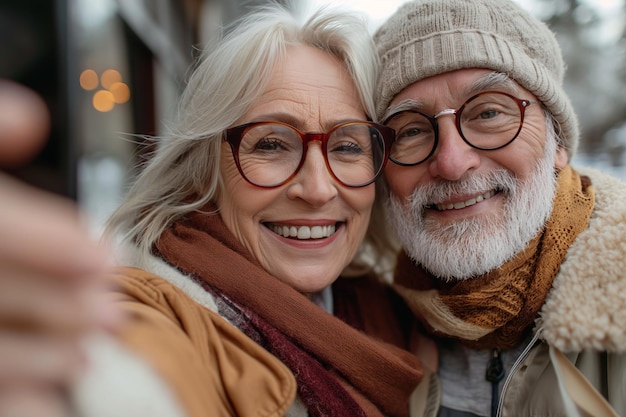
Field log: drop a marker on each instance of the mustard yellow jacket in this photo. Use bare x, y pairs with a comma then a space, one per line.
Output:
177, 357
191, 360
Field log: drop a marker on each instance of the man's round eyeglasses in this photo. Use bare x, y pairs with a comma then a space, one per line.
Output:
269, 154
487, 121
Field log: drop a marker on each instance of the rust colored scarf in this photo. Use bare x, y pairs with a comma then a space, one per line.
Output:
340, 371
496, 310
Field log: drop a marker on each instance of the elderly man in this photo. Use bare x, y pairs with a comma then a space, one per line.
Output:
513, 261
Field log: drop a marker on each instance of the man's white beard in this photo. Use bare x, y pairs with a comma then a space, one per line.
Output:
458, 250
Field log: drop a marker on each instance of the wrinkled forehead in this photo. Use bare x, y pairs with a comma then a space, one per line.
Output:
309, 89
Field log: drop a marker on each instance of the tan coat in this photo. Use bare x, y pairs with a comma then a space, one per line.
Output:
578, 353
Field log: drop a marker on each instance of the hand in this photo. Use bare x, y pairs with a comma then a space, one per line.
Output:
24, 122
50, 282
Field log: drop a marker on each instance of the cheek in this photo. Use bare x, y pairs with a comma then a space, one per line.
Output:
402, 180
534, 136
234, 193
232, 182
522, 155
360, 201
363, 201
228, 169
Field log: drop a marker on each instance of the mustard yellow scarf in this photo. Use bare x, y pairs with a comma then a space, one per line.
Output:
496, 310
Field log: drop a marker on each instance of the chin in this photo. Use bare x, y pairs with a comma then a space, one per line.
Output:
311, 285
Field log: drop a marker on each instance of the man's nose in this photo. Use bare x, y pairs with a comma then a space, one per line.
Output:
453, 156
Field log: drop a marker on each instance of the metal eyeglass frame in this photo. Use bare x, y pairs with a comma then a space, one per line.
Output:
521, 103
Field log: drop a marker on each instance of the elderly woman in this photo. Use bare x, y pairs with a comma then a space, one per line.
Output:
253, 205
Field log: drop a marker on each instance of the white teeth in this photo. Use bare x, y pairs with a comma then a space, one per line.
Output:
463, 204
317, 232
303, 232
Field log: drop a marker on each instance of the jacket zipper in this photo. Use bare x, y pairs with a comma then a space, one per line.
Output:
494, 374
516, 365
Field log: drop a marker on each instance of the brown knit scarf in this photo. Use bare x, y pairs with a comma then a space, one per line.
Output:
357, 374
496, 310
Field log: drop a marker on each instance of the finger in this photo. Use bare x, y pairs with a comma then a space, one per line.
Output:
28, 358
24, 124
33, 302
33, 401
45, 232
46, 305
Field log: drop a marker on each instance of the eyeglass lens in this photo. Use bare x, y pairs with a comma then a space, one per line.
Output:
269, 154
486, 121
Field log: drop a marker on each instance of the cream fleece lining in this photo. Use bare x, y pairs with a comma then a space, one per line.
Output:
586, 309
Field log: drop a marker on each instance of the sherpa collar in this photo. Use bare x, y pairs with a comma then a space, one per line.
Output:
586, 308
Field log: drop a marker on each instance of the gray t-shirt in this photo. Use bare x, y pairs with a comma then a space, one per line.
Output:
465, 390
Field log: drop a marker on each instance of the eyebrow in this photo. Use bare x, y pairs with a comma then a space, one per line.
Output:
404, 105
491, 81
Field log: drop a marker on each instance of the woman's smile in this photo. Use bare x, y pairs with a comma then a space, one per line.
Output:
302, 232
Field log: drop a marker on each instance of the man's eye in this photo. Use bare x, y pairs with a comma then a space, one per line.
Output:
488, 114
412, 131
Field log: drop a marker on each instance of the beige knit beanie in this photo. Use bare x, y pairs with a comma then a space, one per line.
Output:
429, 37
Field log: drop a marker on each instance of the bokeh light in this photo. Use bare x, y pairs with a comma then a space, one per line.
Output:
103, 101
89, 79
113, 90
110, 77
121, 92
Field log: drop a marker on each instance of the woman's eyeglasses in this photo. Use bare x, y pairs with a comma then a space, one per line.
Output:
269, 154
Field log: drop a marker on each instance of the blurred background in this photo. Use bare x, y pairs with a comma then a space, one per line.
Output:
110, 70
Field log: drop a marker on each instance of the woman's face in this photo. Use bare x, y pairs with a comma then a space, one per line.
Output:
311, 91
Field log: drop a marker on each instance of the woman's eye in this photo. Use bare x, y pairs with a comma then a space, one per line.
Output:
347, 147
269, 144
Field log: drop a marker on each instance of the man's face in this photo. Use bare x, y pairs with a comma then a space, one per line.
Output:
463, 211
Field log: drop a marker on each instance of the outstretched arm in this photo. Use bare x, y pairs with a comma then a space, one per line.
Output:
49, 274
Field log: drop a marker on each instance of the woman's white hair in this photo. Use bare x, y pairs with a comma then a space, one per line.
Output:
183, 173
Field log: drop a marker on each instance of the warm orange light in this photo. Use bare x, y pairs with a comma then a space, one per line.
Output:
103, 101
110, 77
121, 92
113, 91
89, 79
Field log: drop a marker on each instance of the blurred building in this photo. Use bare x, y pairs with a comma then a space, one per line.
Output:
110, 72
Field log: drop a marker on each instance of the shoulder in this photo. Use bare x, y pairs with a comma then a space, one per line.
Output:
164, 323
150, 274
586, 307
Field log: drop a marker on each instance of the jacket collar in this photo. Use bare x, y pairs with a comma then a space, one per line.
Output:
586, 308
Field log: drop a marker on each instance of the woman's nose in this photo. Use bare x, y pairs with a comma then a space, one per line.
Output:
313, 183
453, 156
